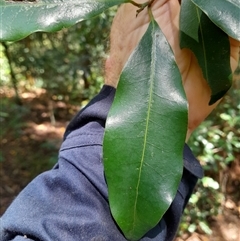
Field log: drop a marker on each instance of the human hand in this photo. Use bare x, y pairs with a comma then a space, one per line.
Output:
126, 32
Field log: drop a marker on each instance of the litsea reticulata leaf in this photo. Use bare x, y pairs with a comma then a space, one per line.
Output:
144, 136
21, 18
210, 45
224, 13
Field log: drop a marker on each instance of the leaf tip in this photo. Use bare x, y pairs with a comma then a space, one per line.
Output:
214, 98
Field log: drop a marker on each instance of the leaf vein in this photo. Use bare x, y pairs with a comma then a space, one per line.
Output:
203, 43
147, 125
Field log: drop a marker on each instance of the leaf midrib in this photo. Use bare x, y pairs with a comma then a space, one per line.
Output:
203, 44
146, 129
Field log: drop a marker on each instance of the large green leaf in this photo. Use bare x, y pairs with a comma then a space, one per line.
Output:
224, 13
144, 136
210, 45
19, 19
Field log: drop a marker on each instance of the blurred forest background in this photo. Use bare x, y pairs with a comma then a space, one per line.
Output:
47, 78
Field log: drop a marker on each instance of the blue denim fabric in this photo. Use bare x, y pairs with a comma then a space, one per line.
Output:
70, 202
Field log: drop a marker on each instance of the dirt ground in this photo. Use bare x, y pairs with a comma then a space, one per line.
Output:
30, 148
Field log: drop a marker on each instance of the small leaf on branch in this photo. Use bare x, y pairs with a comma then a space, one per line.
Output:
144, 136
210, 45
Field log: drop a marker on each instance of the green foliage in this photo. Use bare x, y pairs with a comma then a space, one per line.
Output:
225, 14
11, 116
138, 151
198, 33
203, 205
217, 140
133, 215
66, 63
216, 143
45, 15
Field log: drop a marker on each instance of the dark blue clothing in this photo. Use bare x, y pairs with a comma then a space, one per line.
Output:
70, 202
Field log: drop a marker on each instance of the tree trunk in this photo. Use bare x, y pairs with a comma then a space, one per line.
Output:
13, 77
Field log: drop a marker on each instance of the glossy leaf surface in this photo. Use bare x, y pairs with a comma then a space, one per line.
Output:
210, 45
19, 19
224, 13
144, 136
